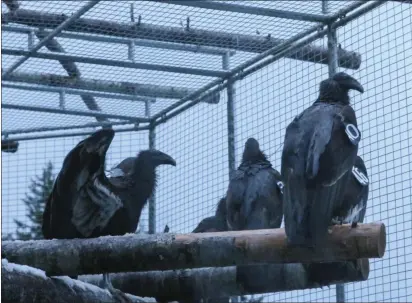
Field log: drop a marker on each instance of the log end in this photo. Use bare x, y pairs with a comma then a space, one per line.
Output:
363, 265
381, 241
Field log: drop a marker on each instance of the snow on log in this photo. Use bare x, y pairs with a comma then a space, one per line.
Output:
234, 281
20, 283
245, 43
139, 252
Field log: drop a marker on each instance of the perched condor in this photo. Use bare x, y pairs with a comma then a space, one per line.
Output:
84, 203
214, 223
355, 197
254, 195
352, 211
320, 147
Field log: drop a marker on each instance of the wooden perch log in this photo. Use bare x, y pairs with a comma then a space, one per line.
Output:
25, 284
136, 252
246, 43
234, 281
8, 146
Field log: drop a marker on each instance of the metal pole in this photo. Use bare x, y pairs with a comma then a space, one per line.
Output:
241, 42
333, 66
72, 112
116, 63
72, 134
239, 69
56, 31
152, 199
230, 126
325, 7
252, 10
138, 42
78, 92
230, 116
99, 85
287, 47
19, 131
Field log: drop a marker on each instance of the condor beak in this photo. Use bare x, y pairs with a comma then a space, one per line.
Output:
162, 158
354, 84
348, 82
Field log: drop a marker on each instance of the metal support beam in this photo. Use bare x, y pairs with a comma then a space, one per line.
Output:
66, 23
77, 92
246, 43
333, 51
370, 5
252, 10
73, 134
231, 93
325, 7
138, 42
71, 112
230, 128
60, 128
290, 46
117, 63
125, 88
152, 199
332, 69
239, 69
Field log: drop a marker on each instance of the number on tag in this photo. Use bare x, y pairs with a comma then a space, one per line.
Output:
362, 179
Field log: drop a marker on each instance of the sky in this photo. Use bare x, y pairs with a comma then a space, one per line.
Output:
265, 103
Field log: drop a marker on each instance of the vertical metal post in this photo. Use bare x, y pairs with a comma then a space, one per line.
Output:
62, 99
332, 51
152, 199
230, 125
30, 40
333, 67
325, 7
131, 51
230, 115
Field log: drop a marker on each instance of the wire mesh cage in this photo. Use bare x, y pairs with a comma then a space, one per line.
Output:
196, 80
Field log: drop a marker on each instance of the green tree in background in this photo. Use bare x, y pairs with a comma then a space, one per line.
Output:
35, 201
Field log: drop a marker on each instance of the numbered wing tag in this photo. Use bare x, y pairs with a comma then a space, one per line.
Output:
352, 132
280, 185
360, 176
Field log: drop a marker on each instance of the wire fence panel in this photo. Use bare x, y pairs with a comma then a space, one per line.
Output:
384, 38
20, 168
133, 64
267, 101
197, 139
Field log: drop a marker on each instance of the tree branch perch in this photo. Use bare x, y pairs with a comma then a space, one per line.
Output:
231, 281
26, 284
131, 253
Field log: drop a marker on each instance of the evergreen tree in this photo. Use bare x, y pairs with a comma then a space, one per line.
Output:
35, 202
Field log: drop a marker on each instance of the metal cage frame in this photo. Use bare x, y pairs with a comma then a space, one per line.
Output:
324, 24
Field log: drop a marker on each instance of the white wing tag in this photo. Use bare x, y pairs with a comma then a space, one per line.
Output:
362, 179
280, 185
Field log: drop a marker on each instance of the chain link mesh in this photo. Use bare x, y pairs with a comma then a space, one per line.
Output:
265, 103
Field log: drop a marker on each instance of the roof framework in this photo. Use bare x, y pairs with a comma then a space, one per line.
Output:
65, 49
